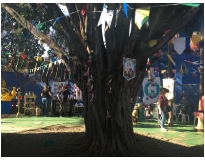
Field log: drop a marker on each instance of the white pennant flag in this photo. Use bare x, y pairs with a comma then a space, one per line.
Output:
101, 20
180, 45
130, 27
109, 17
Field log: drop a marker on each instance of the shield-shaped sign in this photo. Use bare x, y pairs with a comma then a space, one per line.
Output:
180, 45
129, 68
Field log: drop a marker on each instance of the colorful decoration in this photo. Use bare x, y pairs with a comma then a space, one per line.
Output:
125, 9
141, 16
83, 10
194, 47
151, 90
152, 43
191, 4
129, 68
24, 56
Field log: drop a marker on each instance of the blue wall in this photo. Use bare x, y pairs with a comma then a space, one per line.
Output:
12, 81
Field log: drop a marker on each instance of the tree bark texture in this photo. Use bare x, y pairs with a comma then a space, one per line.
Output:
109, 101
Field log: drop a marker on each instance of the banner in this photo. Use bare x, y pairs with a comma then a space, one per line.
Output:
151, 90
129, 68
57, 87
169, 84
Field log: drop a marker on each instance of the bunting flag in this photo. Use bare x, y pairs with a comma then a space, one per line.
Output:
106, 16
125, 9
151, 90
141, 16
169, 84
101, 20
129, 68
83, 10
109, 17
3, 33
17, 31
194, 47
195, 39
180, 45
39, 26
191, 4
57, 19
170, 58
130, 28
152, 43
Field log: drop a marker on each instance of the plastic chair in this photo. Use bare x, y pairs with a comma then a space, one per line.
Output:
174, 111
184, 116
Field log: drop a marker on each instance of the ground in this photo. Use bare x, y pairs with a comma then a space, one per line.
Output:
60, 141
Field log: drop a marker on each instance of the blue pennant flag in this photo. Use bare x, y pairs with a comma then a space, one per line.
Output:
125, 9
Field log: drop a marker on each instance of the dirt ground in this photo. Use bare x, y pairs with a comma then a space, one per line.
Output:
59, 141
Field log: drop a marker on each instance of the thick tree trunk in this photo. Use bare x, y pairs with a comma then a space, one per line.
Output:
110, 136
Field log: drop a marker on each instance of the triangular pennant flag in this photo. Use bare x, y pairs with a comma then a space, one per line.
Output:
152, 43
141, 16
3, 33
170, 58
196, 39
191, 4
125, 9
109, 16
83, 10
130, 27
17, 31
39, 26
180, 45
194, 47
162, 71
101, 20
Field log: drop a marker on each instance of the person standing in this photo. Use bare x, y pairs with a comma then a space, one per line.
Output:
45, 94
162, 106
63, 97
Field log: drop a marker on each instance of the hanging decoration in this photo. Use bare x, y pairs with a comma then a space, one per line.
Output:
159, 53
130, 28
195, 39
129, 68
125, 9
194, 47
151, 92
106, 17
179, 44
108, 115
83, 11
141, 16
24, 56
191, 4
17, 31
152, 43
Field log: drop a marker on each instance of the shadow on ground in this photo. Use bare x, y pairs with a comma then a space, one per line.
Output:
61, 144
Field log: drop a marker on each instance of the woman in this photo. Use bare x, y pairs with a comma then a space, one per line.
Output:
45, 99
163, 107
